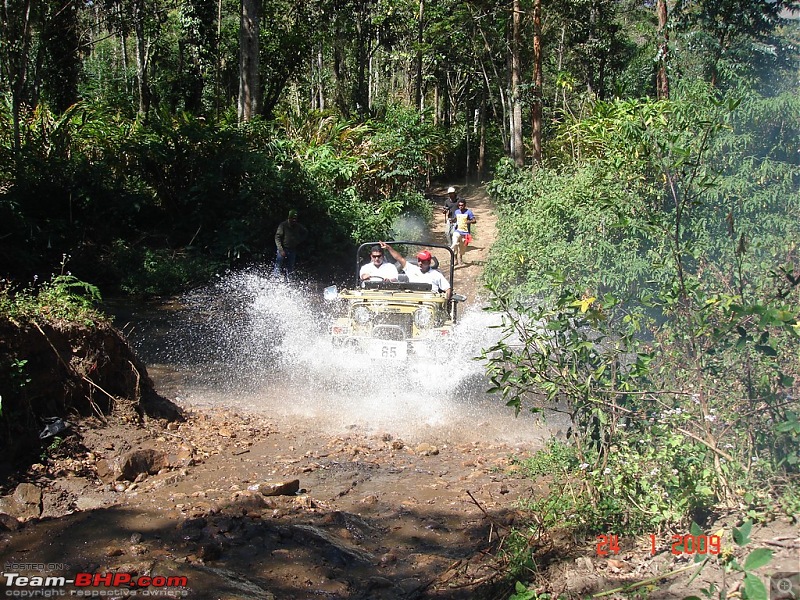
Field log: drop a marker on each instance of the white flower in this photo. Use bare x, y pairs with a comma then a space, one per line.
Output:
754, 459
583, 466
711, 418
606, 471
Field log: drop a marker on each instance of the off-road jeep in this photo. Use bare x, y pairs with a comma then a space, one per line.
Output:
394, 319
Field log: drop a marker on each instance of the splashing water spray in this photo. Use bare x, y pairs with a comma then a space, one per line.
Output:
253, 344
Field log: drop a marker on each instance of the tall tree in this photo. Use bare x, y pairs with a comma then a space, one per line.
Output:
538, 83
17, 28
518, 146
662, 81
249, 81
61, 45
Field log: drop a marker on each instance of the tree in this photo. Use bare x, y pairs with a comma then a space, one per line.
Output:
731, 39
536, 104
517, 146
662, 82
249, 81
17, 29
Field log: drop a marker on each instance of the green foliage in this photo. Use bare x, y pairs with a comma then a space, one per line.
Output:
752, 588
555, 459
581, 223
521, 592
63, 297
52, 449
671, 339
172, 202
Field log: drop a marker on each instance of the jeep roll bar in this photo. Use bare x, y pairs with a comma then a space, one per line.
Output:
453, 298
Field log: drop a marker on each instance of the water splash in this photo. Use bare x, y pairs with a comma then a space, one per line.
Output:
261, 345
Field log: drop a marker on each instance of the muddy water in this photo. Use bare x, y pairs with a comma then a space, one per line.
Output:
260, 346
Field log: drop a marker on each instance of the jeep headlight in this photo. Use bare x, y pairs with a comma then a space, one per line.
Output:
362, 315
423, 318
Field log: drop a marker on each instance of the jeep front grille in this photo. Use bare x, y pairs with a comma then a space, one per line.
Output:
388, 326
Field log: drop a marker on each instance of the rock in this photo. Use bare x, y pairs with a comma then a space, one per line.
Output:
398, 444
86, 503
138, 549
105, 471
426, 450
7, 522
304, 502
618, 566
24, 504
288, 488
338, 551
379, 583
136, 462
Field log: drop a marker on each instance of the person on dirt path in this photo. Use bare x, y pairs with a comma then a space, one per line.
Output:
450, 205
377, 267
289, 235
422, 271
463, 218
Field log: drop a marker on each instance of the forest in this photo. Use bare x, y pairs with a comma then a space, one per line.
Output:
644, 157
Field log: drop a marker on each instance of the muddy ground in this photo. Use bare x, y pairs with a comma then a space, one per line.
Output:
244, 505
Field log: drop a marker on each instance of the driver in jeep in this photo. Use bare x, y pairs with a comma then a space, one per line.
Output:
421, 272
377, 268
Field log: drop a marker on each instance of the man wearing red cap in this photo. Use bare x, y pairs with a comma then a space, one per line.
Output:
421, 272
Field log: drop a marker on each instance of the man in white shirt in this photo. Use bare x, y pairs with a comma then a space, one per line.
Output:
421, 272
377, 268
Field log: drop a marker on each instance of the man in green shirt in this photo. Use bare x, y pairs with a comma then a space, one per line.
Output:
288, 237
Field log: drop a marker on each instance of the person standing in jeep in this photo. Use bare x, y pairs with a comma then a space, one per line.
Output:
422, 271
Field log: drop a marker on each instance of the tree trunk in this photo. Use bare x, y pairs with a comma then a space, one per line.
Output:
418, 83
141, 58
536, 108
249, 83
17, 31
662, 81
363, 34
482, 142
516, 133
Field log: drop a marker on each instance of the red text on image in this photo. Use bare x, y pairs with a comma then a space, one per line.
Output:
118, 579
607, 543
691, 544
